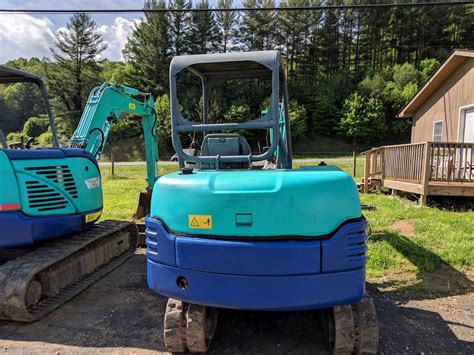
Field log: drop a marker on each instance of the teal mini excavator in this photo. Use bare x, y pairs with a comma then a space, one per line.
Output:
226, 233
50, 198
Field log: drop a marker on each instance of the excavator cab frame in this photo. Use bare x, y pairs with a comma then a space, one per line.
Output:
218, 67
12, 76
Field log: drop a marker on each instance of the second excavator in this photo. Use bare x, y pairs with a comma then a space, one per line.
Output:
51, 247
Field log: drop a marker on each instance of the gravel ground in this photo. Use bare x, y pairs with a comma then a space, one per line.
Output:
120, 315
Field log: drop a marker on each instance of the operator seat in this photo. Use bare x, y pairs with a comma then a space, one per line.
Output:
225, 144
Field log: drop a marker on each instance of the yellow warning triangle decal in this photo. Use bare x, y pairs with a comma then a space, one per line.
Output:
194, 222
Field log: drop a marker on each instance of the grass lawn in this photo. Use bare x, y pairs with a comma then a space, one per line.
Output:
412, 248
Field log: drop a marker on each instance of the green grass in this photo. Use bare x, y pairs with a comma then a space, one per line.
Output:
121, 193
441, 240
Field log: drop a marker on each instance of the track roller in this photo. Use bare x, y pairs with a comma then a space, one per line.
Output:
352, 329
188, 326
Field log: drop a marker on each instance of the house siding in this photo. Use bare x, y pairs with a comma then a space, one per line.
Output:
444, 104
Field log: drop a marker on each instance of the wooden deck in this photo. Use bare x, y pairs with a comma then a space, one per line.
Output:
445, 169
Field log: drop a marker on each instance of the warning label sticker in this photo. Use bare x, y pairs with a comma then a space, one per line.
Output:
200, 221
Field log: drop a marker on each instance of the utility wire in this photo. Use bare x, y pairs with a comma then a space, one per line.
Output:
238, 9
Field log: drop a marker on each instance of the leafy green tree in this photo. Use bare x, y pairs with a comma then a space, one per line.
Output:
45, 139
238, 113
76, 53
23, 100
373, 86
146, 51
117, 72
35, 126
402, 85
15, 137
427, 67
298, 119
363, 119
163, 117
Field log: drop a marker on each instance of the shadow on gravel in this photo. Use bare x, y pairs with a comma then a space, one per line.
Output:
405, 329
436, 278
119, 313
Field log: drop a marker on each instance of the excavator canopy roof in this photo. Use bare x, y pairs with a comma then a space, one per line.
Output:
236, 65
11, 75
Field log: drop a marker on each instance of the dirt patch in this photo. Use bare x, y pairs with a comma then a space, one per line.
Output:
445, 281
120, 315
404, 227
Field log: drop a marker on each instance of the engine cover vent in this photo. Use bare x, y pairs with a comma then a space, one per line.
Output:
43, 198
60, 175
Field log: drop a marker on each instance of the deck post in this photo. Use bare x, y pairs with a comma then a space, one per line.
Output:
426, 172
382, 162
366, 172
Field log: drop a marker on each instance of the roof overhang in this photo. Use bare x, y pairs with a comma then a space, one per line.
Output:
447, 68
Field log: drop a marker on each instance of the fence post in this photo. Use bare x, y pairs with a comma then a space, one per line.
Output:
426, 173
354, 172
112, 162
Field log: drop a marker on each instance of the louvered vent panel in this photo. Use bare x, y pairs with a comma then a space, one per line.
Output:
60, 175
43, 198
356, 248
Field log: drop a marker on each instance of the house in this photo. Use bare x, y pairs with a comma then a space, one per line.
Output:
443, 109
440, 158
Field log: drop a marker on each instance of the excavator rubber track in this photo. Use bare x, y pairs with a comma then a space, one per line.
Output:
35, 284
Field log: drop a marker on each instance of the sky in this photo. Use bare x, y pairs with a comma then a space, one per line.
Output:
25, 35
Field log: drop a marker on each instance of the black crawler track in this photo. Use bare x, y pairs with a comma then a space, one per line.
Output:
188, 326
354, 328
16, 275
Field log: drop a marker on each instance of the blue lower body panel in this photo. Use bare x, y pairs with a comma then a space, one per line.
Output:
258, 275
18, 229
264, 293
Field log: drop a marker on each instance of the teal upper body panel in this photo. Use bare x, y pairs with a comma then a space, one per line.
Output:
51, 187
309, 201
9, 192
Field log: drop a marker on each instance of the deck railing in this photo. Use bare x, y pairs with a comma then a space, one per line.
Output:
421, 162
452, 162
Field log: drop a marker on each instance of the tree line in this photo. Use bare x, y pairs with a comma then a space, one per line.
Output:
349, 70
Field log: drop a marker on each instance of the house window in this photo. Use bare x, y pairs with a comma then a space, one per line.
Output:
437, 131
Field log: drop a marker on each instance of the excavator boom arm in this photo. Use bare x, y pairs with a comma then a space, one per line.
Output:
107, 104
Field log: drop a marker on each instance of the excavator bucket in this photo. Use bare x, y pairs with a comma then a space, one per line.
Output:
144, 201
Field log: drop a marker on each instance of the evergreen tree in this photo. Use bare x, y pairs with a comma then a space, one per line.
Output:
269, 28
203, 30
179, 27
227, 22
147, 51
250, 26
78, 48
